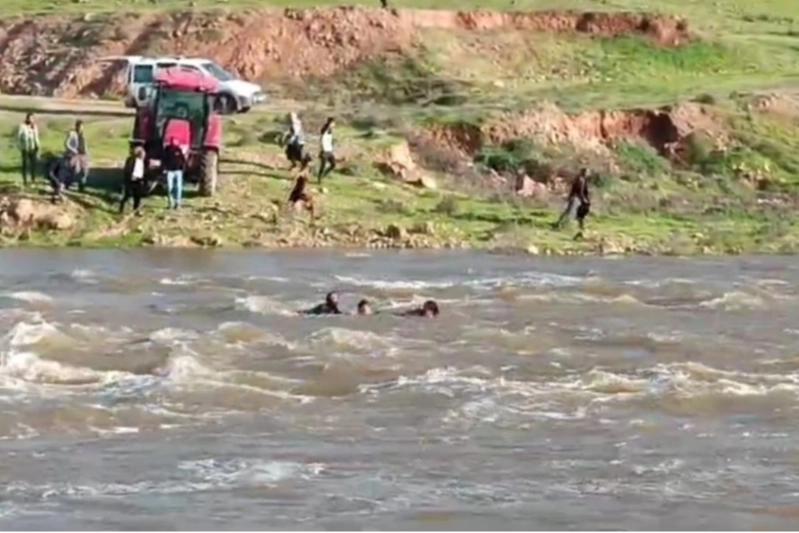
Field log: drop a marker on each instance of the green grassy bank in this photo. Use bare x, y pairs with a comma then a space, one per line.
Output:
735, 199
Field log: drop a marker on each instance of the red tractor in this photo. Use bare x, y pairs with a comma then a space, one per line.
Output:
183, 107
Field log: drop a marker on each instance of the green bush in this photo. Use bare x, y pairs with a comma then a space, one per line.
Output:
510, 156
640, 159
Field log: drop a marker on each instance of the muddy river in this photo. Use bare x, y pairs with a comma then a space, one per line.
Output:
180, 390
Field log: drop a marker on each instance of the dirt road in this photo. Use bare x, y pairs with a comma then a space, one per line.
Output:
102, 108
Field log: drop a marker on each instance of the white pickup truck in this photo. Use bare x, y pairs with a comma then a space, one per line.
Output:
236, 95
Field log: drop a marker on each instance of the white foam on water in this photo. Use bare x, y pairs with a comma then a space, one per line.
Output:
119, 430
173, 281
204, 475
530, 279
30, 368
29, 333
393, 285
276, 279
251, 473
354, 339
31, 297
171, 335
262, 305
498, 400
734, 301
581, 298
186, 371
656, 284
83, 276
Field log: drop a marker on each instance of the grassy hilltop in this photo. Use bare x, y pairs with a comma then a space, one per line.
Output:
716, 172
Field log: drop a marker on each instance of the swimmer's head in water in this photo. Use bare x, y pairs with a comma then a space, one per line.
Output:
364, 308
331, 299
430, 308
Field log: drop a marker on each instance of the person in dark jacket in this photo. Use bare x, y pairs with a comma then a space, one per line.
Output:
300, 196
134, 184
60, 175
174, 165
579, 197
329, 307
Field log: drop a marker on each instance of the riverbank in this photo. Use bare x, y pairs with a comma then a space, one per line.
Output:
386, 193
438, 149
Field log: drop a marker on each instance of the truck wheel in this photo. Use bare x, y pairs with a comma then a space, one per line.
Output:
208, 172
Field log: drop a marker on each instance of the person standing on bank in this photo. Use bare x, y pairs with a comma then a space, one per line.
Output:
174, 166
28, 142
75, 146
134, 184
326, 156
579, 198
295, 147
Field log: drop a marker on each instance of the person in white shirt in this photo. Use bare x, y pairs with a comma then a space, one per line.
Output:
295, 146
134, 180
28, 142
327, 159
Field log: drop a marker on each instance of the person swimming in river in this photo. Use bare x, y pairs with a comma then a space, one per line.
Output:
429, 309
328, 307
365, 308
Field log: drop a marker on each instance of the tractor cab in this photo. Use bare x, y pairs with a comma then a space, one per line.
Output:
183, 109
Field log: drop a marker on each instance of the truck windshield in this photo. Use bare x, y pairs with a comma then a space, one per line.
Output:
218, 72
188, 105
181, 104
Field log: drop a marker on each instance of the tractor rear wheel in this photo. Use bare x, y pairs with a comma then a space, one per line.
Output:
208, 172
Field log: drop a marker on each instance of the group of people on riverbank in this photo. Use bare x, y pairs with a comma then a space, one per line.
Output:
72, 166
135, 183
330, 306
294, 141
62, 171
578, 201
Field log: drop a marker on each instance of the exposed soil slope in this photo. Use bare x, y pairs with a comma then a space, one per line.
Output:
58, 56
663, 129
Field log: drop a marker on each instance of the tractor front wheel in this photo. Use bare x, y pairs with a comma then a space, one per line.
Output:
208, 172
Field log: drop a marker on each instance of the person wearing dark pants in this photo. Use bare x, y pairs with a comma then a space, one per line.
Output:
174, 165
134, 183
327, 159
76, 150
579, 198
28, 142
295, 147
59, 174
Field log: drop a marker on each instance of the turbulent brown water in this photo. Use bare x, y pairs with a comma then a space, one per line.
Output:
178, 390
